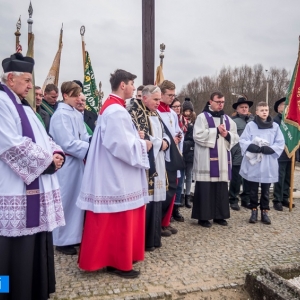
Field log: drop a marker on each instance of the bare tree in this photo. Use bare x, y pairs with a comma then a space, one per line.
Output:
245, 80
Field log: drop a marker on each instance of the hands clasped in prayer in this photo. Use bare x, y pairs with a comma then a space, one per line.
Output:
58, 161
148, 143
222, 130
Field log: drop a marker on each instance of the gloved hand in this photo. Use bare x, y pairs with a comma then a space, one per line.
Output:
267, 150
254, 148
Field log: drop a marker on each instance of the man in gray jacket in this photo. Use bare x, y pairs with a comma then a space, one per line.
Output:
241, 117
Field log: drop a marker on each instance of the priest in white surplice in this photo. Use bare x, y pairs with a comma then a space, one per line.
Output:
30, 202
145, 117
114, 189
68, 130
214, 135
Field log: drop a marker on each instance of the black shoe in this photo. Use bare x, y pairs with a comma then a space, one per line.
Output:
187, 201
253, 218
221, 222
125, 274
287, 204
191, 198
172, 229
278, 206
235, 206
165, 232
246, 205
176, 214
67, 250
150, 249
206, 224
265, 218
181, 201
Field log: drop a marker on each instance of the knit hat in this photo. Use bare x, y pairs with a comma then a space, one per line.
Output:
187, 104
18, 63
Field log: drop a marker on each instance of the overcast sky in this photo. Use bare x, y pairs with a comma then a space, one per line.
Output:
201, 36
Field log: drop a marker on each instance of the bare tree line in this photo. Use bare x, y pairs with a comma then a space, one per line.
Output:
244, 80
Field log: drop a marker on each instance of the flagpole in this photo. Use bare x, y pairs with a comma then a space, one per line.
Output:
292, 181
18, 33
30, 53
82, 31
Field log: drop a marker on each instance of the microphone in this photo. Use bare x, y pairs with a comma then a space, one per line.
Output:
222, 119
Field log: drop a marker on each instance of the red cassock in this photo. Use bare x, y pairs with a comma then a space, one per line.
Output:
112, 239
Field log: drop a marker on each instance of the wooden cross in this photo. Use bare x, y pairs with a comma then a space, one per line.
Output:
148, 38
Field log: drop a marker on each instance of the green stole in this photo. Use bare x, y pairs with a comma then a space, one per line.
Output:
47, 108
88, 129
40, 118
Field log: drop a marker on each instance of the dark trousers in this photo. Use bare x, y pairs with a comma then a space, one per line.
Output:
264, 198
153, 224
172, 185
281, 190
235, 185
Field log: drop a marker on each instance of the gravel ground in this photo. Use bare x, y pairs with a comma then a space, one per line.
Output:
194, 262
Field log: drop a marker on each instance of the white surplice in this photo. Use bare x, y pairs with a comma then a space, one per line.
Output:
160, 180
114, 178
68, 130
21, 162
170, 119
206, 138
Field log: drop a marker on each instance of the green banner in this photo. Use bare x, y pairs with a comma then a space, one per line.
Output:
89, 86
290, 124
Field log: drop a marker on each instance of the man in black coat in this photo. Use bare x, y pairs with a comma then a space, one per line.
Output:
241, 118
43, 114
89, 117
281, 191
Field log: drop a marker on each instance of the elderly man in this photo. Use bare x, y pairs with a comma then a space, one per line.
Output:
214, 134
241, 118
30, 202
145, 117
42, 115
114, 189
49, 103
89, 117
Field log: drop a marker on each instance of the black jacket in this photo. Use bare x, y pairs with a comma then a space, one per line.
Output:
90, 118
283, 157
188, 144
45, 117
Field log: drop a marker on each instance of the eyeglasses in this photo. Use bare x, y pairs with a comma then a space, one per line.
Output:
218, 102
171, 95
176, 106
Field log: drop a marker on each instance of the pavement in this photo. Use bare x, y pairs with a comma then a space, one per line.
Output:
194, 261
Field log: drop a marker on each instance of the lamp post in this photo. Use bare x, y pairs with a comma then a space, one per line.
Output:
267, 89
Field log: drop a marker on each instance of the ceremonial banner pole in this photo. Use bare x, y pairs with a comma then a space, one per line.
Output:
82, 31
159, 71
30, 52
17, 34
53, 74
292, 182
290, 124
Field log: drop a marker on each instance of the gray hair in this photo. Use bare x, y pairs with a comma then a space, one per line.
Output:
150, 89
4, 76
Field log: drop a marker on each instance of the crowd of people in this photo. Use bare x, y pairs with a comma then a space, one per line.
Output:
113, 183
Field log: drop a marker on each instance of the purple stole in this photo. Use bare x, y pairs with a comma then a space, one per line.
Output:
33, 189
213, 152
